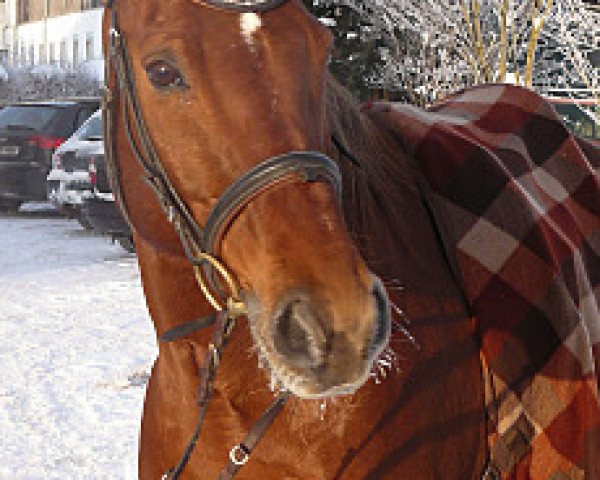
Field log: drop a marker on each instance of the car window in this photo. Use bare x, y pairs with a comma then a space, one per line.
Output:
580, 119
85, 111
92, 128
81, 117
63, 125
29, 116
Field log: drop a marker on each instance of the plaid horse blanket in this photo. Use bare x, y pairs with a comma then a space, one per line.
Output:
516, 199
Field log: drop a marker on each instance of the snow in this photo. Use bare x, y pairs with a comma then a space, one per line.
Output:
47, 71
328, 22
66, 193
93, 69
510, 78
77, 346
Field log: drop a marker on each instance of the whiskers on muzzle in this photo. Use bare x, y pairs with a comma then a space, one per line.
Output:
383, 328
311, 355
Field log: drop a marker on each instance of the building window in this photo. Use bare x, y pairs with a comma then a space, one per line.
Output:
87, 4
32, 54
42, 54
52, 54
75, 51
89, 46
23, 60
23, 12
15, 54
63, 54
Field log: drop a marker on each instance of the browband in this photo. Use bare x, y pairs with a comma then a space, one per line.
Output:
245, 5
235, 5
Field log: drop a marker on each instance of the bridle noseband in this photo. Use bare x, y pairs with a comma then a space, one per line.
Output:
201, 244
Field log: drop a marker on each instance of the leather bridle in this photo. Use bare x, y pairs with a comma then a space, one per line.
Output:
201, 243
245, 5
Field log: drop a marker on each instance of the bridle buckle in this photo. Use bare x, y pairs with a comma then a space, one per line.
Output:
107, 96
115, 38
239, 455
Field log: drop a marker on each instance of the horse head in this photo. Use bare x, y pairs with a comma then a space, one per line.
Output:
220, 91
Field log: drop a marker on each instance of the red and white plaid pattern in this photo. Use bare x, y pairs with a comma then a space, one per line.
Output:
516, 198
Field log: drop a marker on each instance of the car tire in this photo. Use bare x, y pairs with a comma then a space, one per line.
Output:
84, 222
127, 243
68, 211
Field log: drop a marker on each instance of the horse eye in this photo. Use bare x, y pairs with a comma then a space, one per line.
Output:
164, 75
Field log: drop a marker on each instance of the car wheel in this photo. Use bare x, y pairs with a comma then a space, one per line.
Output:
127, 243
69, 211
84, 222
9, 206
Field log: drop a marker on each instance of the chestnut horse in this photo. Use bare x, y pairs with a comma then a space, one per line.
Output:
220, 91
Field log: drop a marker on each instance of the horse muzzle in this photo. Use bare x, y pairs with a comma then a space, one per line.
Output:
316, 356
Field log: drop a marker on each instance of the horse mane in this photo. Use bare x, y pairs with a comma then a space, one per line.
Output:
383, 188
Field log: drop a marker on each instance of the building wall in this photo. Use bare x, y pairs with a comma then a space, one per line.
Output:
69, 37
35, 10
4, 31
66, 40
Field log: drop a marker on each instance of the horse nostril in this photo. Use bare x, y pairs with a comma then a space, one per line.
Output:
299, 335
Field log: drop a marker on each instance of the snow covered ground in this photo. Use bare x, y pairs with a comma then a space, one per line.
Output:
76, 348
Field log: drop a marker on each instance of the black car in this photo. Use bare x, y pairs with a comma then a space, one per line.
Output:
580, 116
98, 209
29, 134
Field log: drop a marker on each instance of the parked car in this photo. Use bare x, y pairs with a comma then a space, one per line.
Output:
69, 179
581, 116
30, 132
98, 208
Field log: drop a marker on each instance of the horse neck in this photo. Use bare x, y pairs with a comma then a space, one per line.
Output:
172, 293
383, 204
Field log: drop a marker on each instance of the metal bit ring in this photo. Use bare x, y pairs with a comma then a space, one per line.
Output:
233, 299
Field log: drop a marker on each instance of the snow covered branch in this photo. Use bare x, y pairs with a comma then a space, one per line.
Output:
45, 82
434, 47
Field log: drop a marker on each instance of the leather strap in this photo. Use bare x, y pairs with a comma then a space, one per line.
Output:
245, 5
304, 166
208, 372
345, 152
187, 328
240, 454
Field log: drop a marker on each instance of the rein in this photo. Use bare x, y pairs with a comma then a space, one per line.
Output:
201, 244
